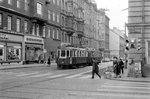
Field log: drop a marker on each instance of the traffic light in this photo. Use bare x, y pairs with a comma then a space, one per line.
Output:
133, 44
139, 44
127, 44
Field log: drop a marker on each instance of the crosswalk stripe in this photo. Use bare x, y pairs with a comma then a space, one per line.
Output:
128, 83
124, 87
73, 76
77, 75
85, 77
27, 74
55, 76
124, 90
41, 75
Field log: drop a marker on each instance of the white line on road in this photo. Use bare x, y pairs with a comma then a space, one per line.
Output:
42, 75
77, 75
124, 87
27, 74
85, 77
55, 76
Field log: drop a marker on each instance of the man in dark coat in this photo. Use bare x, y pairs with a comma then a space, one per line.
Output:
116, 67
121, 65
95, 69
49, 61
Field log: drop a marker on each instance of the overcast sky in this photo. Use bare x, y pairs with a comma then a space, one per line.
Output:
115, 13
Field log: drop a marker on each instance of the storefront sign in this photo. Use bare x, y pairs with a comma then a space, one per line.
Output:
4, 36
10, 37
30, 39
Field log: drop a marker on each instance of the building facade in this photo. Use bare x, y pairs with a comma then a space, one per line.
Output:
14, 23
139, 28
117, 43
31, 30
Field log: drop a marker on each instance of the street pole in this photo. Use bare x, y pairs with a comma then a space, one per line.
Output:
125, 46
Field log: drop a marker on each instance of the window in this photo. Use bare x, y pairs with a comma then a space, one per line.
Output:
63, 54
18, 3
9, 1
53, 1
58, 2
44, 31
18, 25
14, 51
2, 52
53, 16
49, 15
49, 32
1, 19
37, 29
9, 22
58, 18
57, 34
53, 33
26, 26
26, 5
39, 8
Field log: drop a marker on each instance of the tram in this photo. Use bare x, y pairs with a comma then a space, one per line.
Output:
70, 57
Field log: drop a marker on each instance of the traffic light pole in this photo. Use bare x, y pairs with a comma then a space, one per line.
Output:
125, 47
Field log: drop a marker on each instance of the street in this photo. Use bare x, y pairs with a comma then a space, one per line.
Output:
50, 83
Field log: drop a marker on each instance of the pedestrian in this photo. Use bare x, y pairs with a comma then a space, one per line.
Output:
95, 68
49, 61
121, 65
116, 68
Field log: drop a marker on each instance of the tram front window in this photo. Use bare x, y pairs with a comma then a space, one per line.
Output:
62, 53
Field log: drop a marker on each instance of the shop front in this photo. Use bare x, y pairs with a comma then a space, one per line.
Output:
34, 49
10, 48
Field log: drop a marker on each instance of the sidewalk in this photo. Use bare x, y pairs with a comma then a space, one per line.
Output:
132, 79
17, 65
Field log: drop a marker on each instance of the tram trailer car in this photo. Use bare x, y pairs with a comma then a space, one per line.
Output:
75, 57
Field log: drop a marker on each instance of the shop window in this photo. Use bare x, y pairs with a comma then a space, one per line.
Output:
34, 53
1, 53
13, 52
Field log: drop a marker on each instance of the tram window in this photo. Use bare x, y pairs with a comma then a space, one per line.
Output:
67, 53
62, 53
78, 53
1, 52
58, 53
70, 53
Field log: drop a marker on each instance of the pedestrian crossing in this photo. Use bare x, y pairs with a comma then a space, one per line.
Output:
128, 90
35, 74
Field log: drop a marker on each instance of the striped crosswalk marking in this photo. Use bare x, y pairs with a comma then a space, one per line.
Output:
138, 90
42, 75
55, 76
27, 74
85, 77
77, 75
